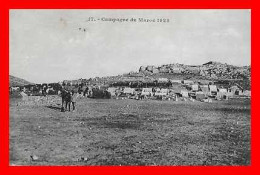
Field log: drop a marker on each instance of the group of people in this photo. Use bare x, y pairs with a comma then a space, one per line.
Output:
68, 98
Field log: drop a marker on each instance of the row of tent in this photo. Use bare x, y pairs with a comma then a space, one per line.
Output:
192, 90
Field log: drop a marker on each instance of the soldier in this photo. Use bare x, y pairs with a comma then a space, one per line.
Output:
63, 94
68, 99
74, 96
85, 93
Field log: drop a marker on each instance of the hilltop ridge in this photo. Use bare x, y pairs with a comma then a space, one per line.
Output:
15, 81
210, 70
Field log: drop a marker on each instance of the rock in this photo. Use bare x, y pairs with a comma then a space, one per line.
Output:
142, 69
149, 68
34, 157
155, 70
82, 159
163, 70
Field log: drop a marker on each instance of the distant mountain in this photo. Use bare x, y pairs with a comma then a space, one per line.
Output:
15, 81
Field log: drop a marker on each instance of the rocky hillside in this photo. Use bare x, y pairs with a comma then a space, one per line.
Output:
15, 81
222, 74
210, 70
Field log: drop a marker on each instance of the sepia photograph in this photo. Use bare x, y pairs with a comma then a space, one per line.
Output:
128, 87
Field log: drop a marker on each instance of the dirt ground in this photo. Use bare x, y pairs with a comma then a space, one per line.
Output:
130, 132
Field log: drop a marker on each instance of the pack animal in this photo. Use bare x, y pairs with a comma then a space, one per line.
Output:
65, 100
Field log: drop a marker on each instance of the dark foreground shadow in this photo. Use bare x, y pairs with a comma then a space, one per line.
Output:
54, 107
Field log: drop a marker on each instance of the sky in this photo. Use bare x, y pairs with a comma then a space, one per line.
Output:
51, 45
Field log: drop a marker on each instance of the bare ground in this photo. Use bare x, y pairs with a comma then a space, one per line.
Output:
131, 132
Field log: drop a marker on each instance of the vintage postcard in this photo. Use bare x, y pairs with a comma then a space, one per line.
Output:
130, 87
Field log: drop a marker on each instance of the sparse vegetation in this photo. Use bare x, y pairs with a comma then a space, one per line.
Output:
130, 132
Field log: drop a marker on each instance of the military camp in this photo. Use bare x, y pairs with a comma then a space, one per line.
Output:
131, 119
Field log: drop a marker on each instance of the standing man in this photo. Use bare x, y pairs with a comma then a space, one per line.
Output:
63, 98
68, 100
85, 92
74, 96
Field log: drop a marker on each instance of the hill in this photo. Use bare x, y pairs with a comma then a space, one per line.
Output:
210, 71
213, 71
15, 81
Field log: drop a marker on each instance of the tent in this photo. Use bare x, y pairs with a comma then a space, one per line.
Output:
161, 92
222, 93
112, 91
184, 93
147, 91
213, 88
234, 90
194, 87
162, 80
129, 91
222, 90
188, 82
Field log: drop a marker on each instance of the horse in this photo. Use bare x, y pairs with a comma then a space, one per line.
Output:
65, 98
68, 99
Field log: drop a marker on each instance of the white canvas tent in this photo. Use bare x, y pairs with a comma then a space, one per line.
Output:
129, 91
223, 90
194, 87
184, 93
161, 92
213, 88
222, 93
233, 89
163, 80
147, 91
112, 91
188, 82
